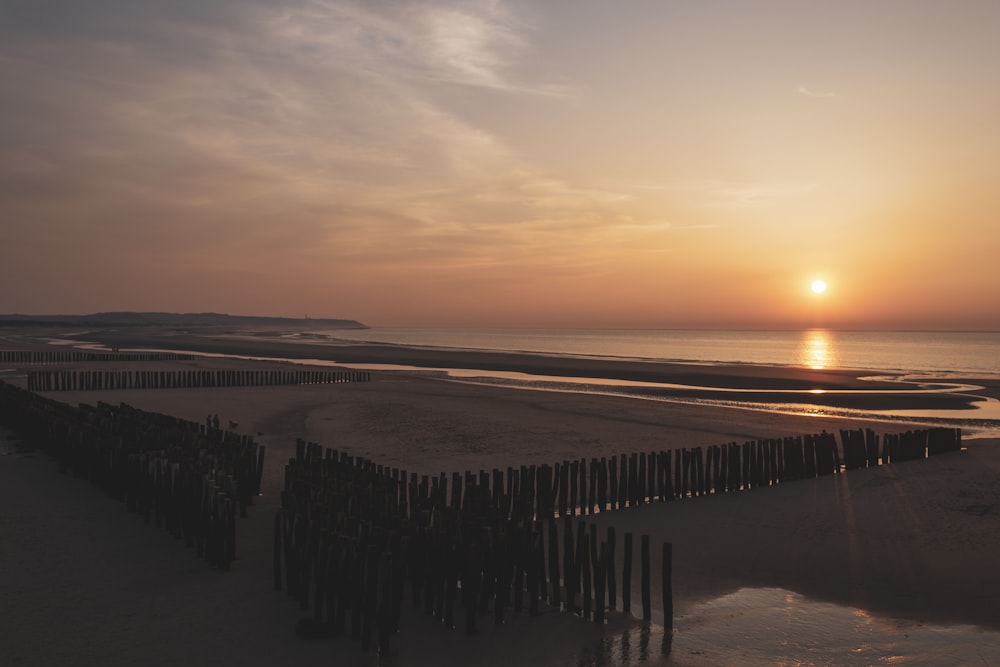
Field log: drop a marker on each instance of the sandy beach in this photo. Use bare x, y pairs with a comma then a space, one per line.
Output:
84, 582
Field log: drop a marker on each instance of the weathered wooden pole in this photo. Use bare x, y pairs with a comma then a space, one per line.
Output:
535, 571
470, 587
574, 476
644, 563
627, 576
600, 578
583, 561
667, 587
277, 551
610, 569
563, 487
571, 576
554, 583
613, 479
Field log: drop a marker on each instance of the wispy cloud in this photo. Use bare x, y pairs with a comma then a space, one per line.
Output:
241, 115
484, 45
467, 48
809, 92
709, 192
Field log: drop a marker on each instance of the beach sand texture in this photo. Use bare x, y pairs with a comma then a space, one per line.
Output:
85, 582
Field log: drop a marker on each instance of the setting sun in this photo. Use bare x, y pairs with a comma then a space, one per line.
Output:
818, 286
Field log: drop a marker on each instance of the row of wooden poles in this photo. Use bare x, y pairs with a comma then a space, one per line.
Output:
583, 486
347, 541
189, 479
350, 532
76, 380
62, 356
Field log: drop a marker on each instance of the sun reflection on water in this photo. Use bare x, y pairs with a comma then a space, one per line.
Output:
818, 349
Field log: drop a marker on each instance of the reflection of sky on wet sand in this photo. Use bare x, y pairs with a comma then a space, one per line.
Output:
633, 646
771, 626
817, 350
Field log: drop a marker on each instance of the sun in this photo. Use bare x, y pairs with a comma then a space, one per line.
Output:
818, 286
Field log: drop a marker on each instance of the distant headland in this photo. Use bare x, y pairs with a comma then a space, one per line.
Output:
185, 320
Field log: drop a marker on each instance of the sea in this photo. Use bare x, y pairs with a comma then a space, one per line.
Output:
972, 353
943, 362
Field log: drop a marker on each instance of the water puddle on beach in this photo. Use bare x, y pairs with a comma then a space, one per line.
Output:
772, 626
758, 627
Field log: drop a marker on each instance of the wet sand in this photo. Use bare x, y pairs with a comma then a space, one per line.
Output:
87, 583
857, 389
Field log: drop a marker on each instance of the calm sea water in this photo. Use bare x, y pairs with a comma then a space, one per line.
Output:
938, 352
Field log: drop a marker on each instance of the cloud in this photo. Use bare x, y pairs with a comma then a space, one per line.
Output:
167, 143
712, 193
476, 49
239, 113
470, 44
467, 48
808, 92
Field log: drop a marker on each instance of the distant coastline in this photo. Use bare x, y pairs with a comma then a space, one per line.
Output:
184, 320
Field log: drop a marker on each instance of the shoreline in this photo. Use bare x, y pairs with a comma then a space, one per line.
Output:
729, 375
857, 389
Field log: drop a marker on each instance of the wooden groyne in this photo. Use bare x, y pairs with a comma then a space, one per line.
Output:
191, 480
77, 380
74, 356
587, 486
355, 541
477, 546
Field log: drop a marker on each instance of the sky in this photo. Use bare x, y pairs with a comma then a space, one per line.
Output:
667, 163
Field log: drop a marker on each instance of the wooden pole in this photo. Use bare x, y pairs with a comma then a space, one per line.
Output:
600, 578
277, 551
554, 583
610, 569
668, 587
627, 576
644, 563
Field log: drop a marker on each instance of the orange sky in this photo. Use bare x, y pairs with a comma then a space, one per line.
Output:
679, 164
